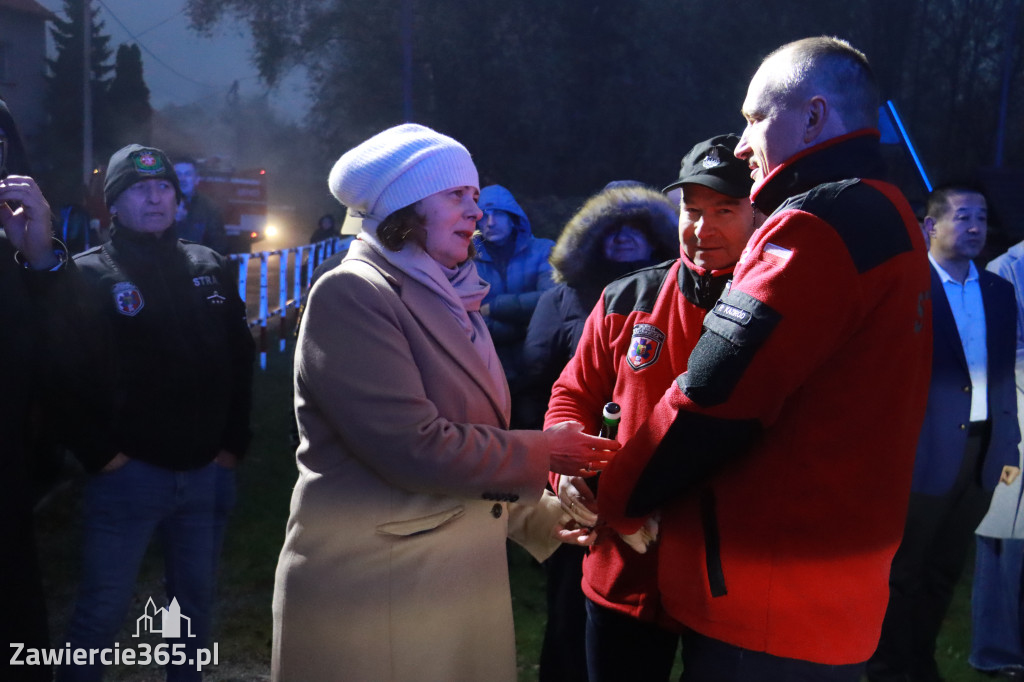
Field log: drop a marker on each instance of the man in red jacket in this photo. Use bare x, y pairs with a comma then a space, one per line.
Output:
635, 342
781, 459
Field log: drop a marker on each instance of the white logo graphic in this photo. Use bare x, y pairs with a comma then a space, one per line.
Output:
166, 622
170, 620
712, 160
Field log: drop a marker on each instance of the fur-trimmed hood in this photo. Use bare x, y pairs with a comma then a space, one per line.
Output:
578, 256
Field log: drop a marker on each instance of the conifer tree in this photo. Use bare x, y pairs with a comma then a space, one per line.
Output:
64, 107
128, 100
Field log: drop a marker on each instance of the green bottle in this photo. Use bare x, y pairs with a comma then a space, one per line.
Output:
611, 415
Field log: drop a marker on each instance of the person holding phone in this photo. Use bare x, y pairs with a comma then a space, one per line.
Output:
27, 255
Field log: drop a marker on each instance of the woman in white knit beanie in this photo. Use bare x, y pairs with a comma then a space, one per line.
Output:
394, 565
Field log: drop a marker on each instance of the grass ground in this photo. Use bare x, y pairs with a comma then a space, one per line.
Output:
243, 629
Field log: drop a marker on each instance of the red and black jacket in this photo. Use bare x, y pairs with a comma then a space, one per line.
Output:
781, 458
635, 343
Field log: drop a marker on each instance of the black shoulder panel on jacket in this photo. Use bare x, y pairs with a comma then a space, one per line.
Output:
863, 217
636, 291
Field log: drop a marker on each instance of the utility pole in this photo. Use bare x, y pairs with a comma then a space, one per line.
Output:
87, 152
407, 20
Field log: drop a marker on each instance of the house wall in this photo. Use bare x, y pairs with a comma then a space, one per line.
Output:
23, 64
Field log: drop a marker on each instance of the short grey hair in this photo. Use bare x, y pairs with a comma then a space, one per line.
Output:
829, 66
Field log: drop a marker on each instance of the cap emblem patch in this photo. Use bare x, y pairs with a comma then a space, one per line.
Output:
645, 346
127, 299
147, 161
712, 160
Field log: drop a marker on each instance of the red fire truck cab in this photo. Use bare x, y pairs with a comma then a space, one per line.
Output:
241, 196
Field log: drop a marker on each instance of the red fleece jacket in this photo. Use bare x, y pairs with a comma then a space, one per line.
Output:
782, 458
635, 343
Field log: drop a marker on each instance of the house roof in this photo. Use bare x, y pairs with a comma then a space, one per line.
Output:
27, 7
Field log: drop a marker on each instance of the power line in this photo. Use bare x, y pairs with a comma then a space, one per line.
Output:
153, 55
161, 23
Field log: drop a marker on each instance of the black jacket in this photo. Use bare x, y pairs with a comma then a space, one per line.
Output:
24, 383
164, 370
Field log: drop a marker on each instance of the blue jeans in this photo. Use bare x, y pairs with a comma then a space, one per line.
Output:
122, 510
996, 604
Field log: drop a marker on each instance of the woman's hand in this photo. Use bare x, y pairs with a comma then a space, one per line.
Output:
578, 500
570, 533
574, 452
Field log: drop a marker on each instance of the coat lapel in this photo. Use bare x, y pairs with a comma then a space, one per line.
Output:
995, 325
942, 319
439, 322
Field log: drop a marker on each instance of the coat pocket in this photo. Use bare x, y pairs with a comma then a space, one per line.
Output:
423, 524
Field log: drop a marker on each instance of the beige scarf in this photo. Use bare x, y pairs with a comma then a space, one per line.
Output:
459, 288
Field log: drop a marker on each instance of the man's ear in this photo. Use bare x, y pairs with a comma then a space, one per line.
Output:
929, 224
817, 113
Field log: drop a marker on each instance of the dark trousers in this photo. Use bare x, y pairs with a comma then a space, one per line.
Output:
563, 657
926, 568
621, 648
710, 660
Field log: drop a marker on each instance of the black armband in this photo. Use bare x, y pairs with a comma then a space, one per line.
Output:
734, 330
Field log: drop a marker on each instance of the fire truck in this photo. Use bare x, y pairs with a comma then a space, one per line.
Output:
241, 196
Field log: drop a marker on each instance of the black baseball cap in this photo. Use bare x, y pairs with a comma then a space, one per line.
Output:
711, 163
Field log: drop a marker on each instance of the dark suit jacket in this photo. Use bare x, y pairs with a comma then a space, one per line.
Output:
943, 438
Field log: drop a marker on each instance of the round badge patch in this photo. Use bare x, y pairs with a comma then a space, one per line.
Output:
127, 299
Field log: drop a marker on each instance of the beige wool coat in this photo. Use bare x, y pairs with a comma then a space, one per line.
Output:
394, 564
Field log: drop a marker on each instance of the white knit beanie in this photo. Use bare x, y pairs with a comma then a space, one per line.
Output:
396, 168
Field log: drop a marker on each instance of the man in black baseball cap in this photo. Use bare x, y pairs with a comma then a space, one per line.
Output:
640, 338
715, 218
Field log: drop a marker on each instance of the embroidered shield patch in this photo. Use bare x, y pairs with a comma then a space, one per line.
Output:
127, 299
147, 161
645, 346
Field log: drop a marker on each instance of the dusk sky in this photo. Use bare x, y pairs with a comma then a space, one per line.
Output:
181, 67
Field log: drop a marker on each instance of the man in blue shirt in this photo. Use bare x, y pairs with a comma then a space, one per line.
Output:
968, 441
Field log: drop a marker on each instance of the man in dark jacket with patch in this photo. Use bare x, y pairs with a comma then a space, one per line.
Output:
781, 459
160, 396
